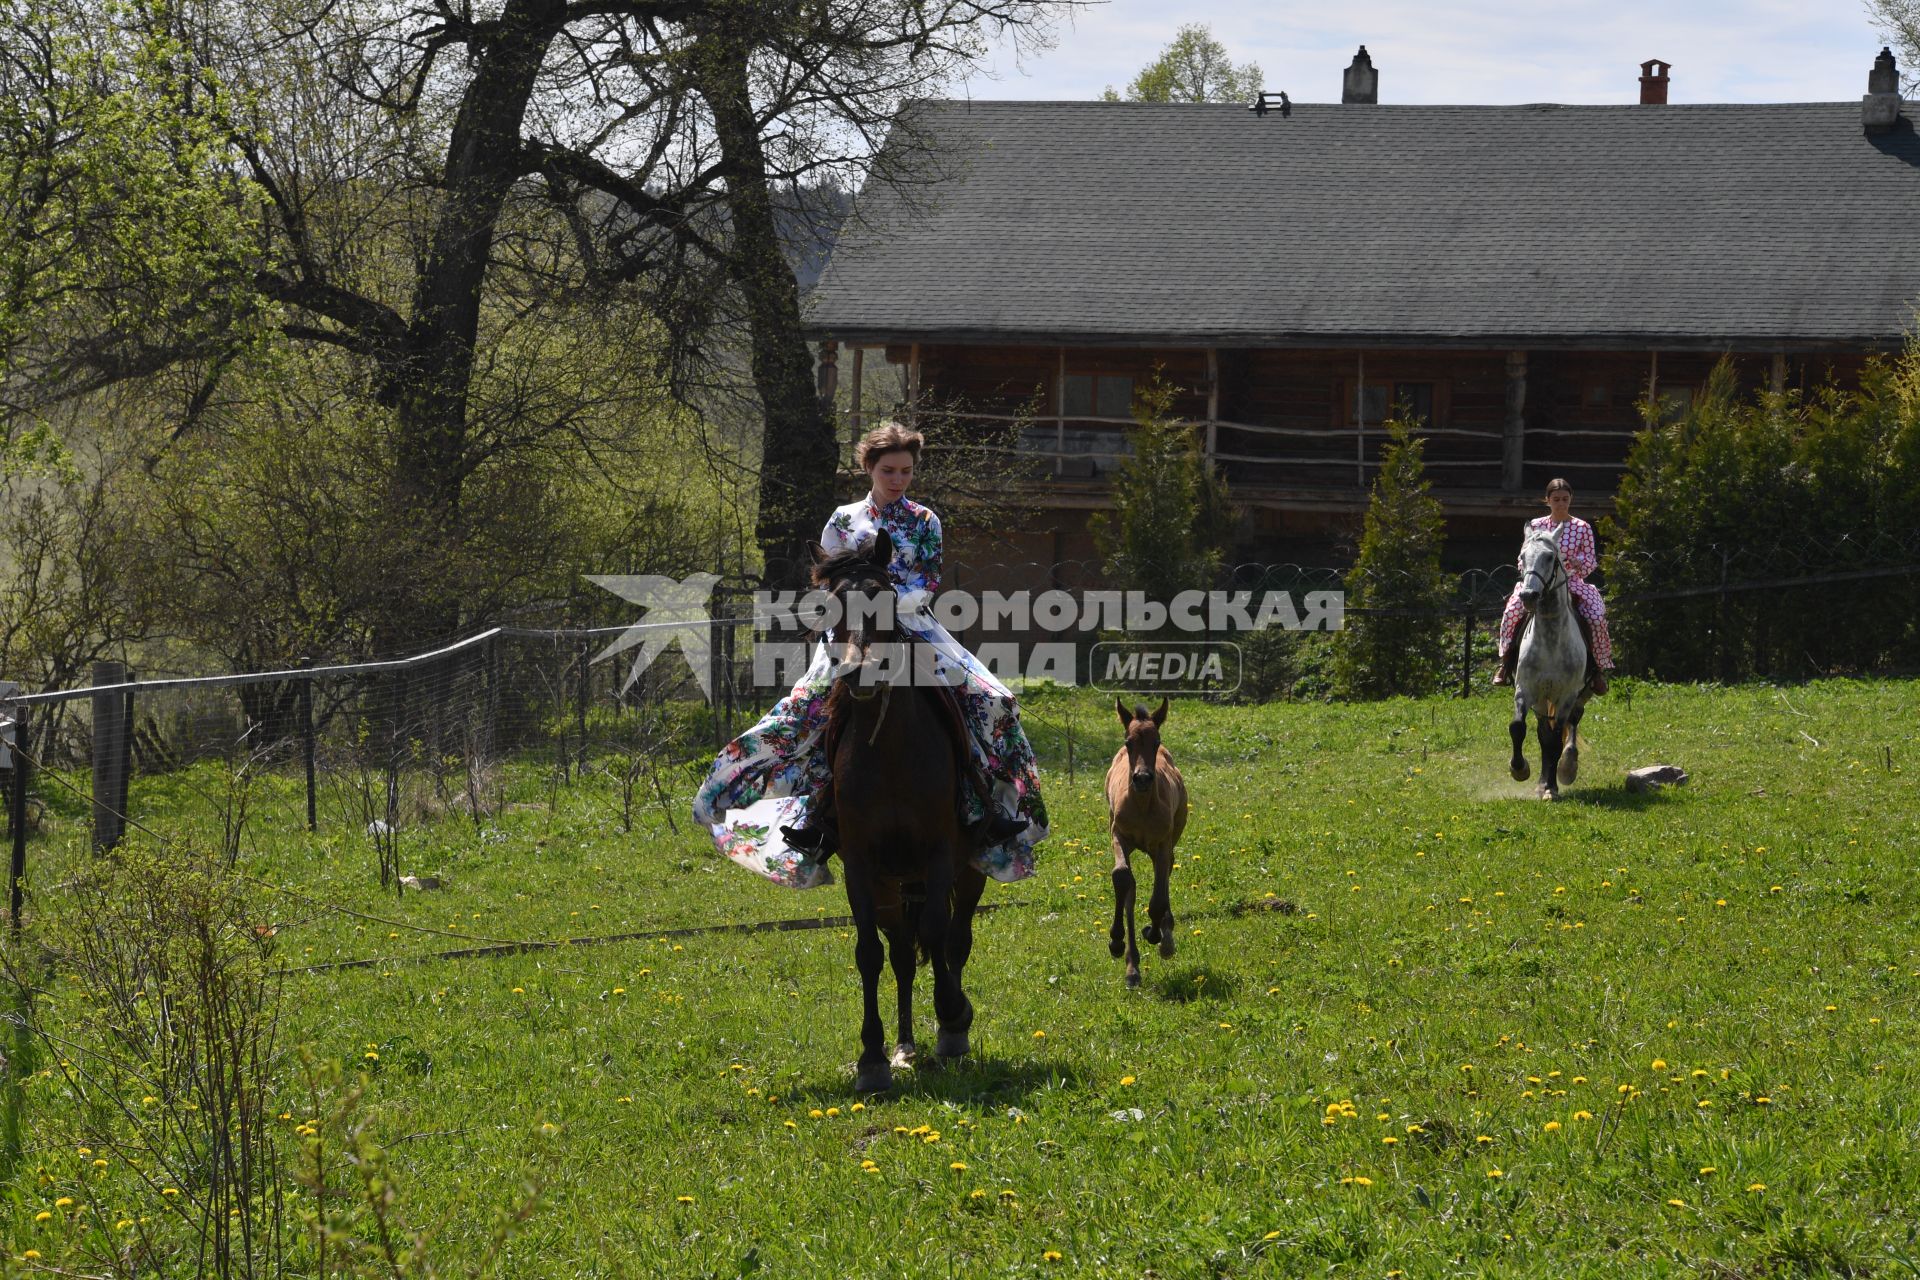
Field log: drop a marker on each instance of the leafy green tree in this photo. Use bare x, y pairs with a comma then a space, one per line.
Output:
1172, 518
1194, 68
1394, 641
124, 233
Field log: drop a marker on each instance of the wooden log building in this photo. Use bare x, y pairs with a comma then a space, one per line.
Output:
1523, 277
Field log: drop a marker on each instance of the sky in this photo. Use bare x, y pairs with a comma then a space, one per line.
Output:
1473, 51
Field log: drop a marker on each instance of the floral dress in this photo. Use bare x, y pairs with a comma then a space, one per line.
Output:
1578, 554
773, 773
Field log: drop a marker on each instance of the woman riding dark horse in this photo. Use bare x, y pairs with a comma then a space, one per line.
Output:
1575, 537
767, 799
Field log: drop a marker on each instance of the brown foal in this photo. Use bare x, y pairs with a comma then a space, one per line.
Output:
1146, 809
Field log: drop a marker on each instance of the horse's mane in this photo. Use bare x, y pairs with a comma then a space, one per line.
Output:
841, 565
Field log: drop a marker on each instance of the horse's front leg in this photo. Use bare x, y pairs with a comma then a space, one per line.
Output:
1518, 731
905, 960
1120, 940
1552, 739
950, 1005
969, 882
872, 1074
1160, 905
1569, 770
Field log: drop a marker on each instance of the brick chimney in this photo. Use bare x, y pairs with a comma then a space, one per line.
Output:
1362, 82
1880, 109
1653, 82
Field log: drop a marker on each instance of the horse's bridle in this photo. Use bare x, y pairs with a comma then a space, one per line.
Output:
1557, 574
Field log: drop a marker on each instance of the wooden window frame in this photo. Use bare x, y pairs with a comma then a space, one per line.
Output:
1344, 418
1093, 394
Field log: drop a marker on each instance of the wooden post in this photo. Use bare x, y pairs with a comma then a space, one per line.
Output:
1653, 382
1779, 373
108, 725
17, 812
1213, 402
1360, 424
1513, 444
856, 417
307, 746
1060, 415
913, 386
827, 377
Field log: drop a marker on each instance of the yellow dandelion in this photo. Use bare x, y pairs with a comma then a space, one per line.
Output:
1495, 1173
30, 1255
43, 1216
1039, 1035
1763, 1100
1551, 1126
1008, 1193
1678, 1204
1704, 1103
1707, 1170
64, 1202
1271, 1235
683, 1199
1756, 1186
833, 1111
1125, 1081
976, 1194
1659, 1064
858, 1106
1389, 1140
958, 1166
1482, 1140
1583, 1115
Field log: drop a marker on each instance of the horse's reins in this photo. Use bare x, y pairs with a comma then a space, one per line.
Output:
884, 692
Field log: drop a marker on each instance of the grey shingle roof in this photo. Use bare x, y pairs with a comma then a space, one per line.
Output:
1736, 225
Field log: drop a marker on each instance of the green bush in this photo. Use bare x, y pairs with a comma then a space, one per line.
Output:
1753, 493
1402, 649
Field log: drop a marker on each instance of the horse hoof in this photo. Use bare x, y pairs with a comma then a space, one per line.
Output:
905, 1055
1117, 947
1549, 795
1521, 770
1569, 770
1166, 946
1133, 980
951, 1044
1151, 933
873, 1077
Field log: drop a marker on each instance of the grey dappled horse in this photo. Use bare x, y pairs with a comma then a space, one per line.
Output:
1551, 679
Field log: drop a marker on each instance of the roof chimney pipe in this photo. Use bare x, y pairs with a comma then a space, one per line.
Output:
1653, 82
1362, 82
1880, 109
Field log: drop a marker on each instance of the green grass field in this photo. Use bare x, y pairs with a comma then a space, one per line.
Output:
1419, 1024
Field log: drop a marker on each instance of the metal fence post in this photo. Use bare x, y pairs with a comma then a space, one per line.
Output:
1466, 654
17, 811
306, 744
109, 727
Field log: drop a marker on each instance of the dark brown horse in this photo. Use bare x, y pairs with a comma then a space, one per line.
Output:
897, 747
1146, 809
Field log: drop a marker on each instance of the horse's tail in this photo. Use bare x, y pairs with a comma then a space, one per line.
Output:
914, 906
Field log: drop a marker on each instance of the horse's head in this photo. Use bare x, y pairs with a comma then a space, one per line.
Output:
1542, 572
1143, 741
862, 588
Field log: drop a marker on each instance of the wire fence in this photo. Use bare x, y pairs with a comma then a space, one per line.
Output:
384, 745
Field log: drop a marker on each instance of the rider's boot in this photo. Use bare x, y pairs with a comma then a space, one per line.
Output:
1510, 656
819, 836
996, 827
1596, 678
